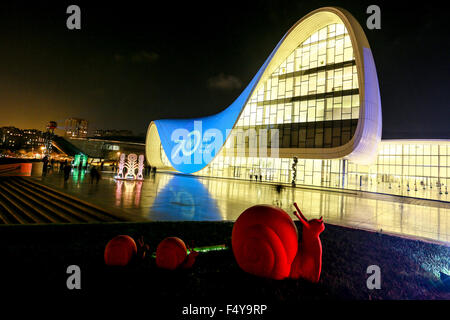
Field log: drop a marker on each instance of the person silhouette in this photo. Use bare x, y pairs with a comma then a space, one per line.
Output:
94, 175
45, 166
67, 169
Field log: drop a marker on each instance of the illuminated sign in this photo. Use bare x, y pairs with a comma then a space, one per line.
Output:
112, 147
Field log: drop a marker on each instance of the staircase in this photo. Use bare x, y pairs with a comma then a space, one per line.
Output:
23, 201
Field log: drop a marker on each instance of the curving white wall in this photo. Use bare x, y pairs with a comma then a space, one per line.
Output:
362, 148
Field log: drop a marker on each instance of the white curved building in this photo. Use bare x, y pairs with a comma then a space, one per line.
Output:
311, 115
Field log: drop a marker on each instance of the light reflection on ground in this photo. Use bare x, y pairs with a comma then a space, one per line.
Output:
173, 197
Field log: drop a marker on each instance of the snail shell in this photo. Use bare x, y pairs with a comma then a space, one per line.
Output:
265, 241
120, 250
171, 253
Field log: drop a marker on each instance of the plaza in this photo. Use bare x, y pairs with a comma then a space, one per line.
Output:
177, 197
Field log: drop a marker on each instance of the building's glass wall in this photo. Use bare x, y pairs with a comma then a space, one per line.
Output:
313, 96
414, 168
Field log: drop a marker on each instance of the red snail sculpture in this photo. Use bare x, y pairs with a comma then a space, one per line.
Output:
121, 249
265, 243
171, 254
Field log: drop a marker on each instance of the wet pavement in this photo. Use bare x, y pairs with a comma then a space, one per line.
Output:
174, 197
429, 191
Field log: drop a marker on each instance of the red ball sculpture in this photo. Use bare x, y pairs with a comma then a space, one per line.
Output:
120, 250
171, 254
265, 243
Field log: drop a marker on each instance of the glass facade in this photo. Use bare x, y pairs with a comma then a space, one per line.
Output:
416, 168
312, 98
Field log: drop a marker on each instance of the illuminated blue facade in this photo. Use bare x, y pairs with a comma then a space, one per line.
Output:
223, 122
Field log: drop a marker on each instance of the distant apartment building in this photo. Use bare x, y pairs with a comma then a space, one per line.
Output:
15, 138
32, 138
11, 137
76, 128
112, 133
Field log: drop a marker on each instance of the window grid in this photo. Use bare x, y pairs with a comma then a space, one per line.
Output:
313, 94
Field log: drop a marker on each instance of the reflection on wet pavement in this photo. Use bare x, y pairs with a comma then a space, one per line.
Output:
174, 197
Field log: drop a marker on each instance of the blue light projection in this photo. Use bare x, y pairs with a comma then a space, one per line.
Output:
184, 198
191, 144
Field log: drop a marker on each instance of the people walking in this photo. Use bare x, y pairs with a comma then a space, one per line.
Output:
67, 169
279, 189
148, 169
45, 165
95, 175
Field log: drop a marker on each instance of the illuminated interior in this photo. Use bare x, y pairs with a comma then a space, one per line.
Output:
313, 96
405, 167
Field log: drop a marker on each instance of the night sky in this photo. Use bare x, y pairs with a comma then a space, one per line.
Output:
132, 63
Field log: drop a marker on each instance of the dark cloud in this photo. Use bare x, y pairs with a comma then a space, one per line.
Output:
144, 57
224, 82
119, 57
137, 57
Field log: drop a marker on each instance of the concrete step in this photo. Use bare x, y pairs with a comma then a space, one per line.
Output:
23, 201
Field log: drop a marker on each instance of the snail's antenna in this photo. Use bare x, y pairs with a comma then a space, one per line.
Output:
299, 214
141, 241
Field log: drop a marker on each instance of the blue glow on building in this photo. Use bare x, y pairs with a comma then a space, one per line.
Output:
196, 138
